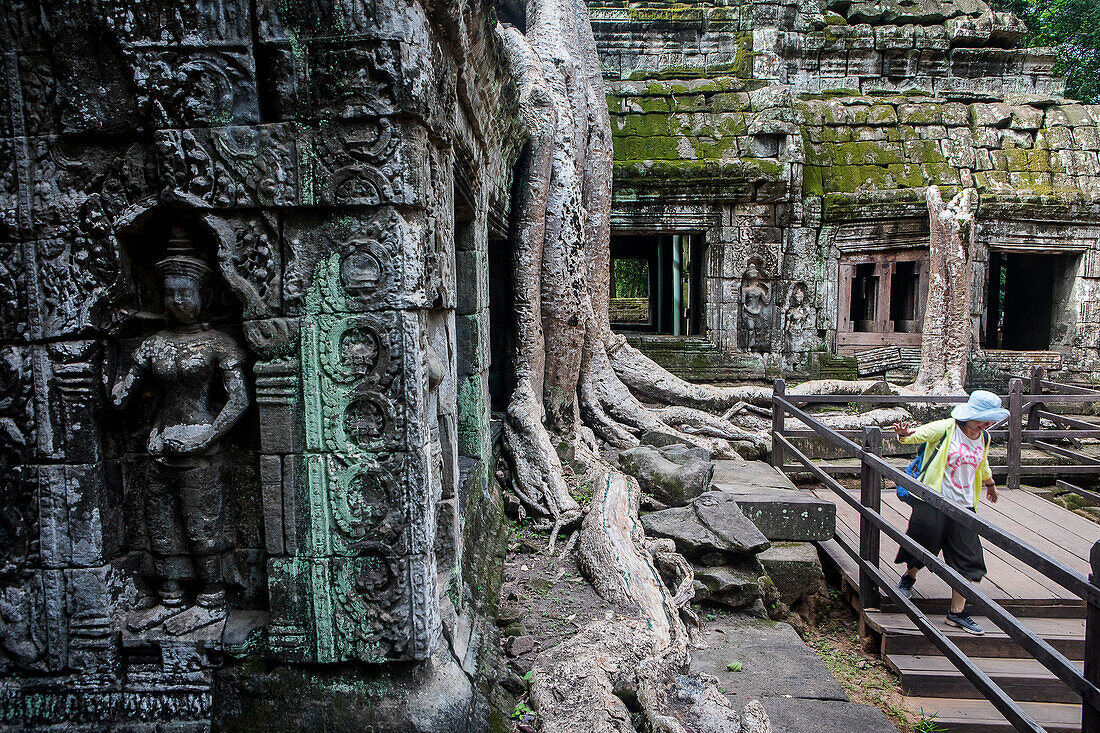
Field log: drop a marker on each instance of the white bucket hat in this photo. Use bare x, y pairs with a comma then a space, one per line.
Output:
982, 405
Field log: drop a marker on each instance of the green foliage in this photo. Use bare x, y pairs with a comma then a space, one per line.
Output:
734, 666
631, 278
521, 711
1073, 28
928, 724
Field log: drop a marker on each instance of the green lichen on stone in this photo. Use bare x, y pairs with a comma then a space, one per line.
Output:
812, 184
705, 147
907, 175
672, 14
862, 153
646, 148
852, 178
646, 125
470, 416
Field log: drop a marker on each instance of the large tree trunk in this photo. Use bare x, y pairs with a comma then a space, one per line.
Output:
947, 333
567, 395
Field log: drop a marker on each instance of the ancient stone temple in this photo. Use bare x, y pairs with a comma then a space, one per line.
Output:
783, 148
255, 287
245, 363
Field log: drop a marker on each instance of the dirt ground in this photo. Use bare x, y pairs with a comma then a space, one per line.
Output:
831, 629
545, 599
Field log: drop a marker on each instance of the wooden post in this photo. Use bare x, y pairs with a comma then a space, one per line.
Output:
1015, 435
779, 390
870, 495
1037, 374
1090, 716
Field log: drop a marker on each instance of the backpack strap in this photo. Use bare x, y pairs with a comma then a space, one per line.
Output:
928, 460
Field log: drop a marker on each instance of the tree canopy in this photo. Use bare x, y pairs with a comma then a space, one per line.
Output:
1073, 28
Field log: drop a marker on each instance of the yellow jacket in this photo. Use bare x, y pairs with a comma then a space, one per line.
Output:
932, 434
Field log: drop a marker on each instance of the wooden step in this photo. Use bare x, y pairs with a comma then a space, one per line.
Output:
900, 636
1025, 680
979, 716
1026, 608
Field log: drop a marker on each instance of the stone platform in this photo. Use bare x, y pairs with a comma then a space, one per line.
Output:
768, 498
777, 668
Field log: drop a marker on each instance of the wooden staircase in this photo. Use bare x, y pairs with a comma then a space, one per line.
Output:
933, 685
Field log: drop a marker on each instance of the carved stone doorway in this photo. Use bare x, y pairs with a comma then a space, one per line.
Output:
1026, 298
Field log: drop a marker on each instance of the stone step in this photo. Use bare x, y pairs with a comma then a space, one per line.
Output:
790, 680
769, 499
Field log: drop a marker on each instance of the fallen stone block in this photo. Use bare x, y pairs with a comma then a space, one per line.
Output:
711, 523
794, 568
671, 482
734, 586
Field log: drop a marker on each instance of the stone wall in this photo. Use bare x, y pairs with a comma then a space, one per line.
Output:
793, 135
323, 177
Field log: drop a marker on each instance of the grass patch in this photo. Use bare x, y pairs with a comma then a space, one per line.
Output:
833, 633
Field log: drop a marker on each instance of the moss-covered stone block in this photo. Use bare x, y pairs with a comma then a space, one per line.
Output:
713, 147
907, 175
864, 153
640, 125
852, 178
690, 103
836, 134
729, 102
923, 151
941, 173
920, 114
882, 114
1038, 161
646, 148
812, 184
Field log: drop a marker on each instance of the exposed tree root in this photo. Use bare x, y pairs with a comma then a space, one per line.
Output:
641, 653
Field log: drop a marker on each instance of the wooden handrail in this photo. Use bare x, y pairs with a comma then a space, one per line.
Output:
1042, 651
1068, 578
872, 580
1073, 422
981, 681
1066, 486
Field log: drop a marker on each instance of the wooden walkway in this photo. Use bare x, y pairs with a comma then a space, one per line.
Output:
1058, 532
931, 683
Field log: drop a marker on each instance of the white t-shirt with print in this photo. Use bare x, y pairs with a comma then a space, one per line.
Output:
963, 457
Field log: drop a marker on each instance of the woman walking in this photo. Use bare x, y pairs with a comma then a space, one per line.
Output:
956, 465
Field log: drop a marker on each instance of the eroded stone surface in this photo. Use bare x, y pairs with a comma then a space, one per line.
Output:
710, 523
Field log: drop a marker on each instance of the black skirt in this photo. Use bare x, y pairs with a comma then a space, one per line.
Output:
935, 531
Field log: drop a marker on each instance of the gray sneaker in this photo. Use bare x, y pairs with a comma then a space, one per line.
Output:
905, 585
964, 622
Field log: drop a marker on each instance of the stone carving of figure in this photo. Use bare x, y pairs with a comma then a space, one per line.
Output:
799, 317
185, 492
755, 310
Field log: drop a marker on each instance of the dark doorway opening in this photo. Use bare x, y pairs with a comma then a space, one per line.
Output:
864, 311
501, 319
657, 283
1023, 298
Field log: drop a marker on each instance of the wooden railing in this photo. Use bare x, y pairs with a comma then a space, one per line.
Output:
873, 582
1042, 393
1017, 434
